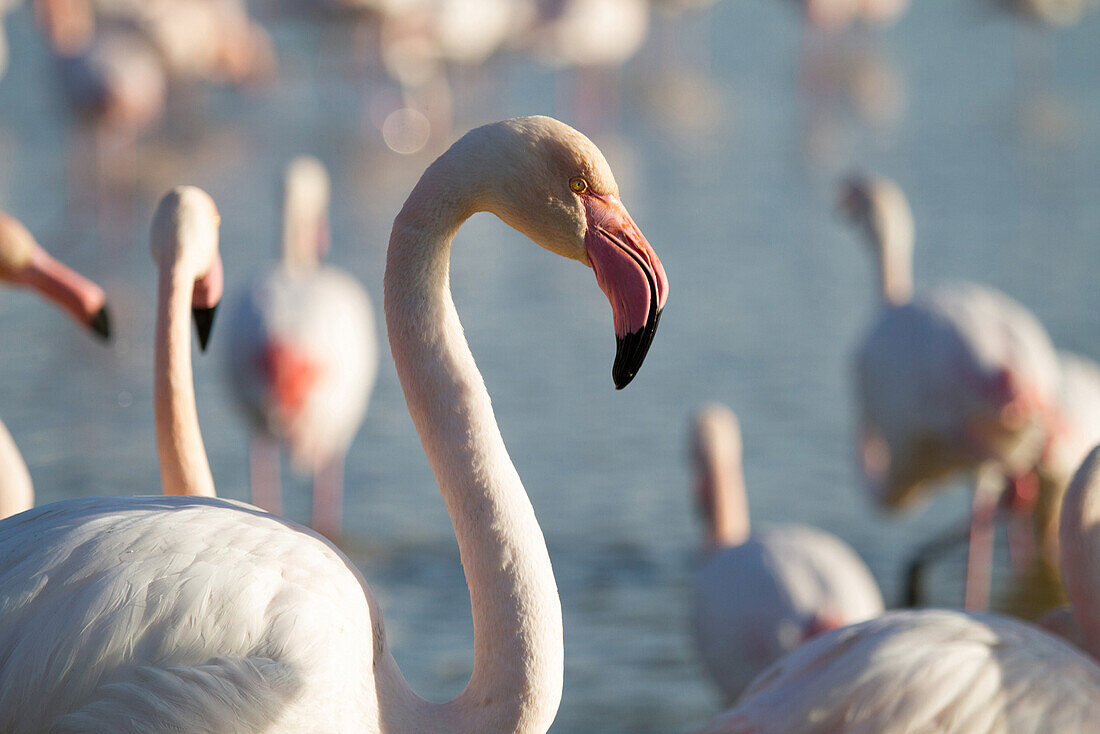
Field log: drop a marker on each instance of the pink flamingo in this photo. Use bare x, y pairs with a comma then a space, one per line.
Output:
758, 597
305, 356
946, 671
832, 15
1075, 434
114, 78
958, 379
194, 613
23, 262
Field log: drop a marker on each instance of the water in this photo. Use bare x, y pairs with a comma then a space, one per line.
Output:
996, 141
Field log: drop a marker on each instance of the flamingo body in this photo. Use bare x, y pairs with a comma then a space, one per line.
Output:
118, 80
757, 601
931, 670
946, 671
155, 614
760, 595
323, 316
949, 380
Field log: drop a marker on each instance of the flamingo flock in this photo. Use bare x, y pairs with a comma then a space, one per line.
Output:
181, 610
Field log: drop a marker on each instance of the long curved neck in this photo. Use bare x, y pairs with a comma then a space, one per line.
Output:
1079, 536
304, 229
16, 491
890, 229
727, 512
183, 465
896, 271
518, 641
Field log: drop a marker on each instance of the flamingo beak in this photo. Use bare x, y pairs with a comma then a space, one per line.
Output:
205, 299
83, 299
629, 273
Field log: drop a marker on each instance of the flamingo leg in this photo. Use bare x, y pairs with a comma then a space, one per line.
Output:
979, 561
1020, 499
263, 464
328, 498
927, 554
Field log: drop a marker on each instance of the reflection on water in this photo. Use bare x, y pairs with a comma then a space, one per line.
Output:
705, 127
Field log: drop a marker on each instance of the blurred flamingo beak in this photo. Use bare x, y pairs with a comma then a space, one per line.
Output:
205, 299
629, 273
82, 298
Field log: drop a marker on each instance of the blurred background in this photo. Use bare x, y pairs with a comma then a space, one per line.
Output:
728, 127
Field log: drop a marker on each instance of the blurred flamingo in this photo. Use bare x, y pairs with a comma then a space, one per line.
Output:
959, 379
1073, 436
758, 597
832, 15
946, 671
113, 79
304, 357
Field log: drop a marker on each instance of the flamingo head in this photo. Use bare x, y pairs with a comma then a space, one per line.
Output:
24, 262
878, 207
185, 239
551, 183
854, 198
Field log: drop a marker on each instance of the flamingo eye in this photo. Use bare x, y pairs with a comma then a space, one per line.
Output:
579, 185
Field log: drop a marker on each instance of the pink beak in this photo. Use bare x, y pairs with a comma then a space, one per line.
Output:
82, 298
205, 298
629, 273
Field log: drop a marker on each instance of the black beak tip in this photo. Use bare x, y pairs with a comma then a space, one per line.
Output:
100, 323
621, 380
631, 351
204, 324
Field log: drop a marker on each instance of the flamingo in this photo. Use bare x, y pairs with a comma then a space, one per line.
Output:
958, 379
194, 40
566, 33
199, 614
113, 79
305, 356
758, 597
24, 262
947, 671
1077, 431
834, 15
1061, 13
